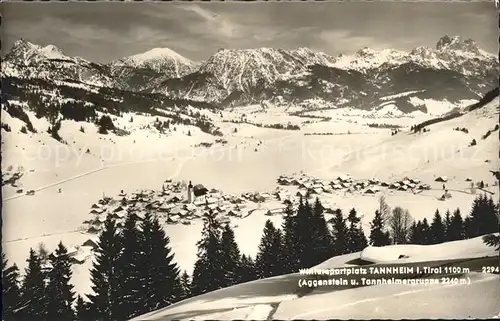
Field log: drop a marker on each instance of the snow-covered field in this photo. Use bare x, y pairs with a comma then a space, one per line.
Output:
251, 160
276, 298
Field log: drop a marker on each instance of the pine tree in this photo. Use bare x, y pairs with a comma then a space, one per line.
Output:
207, 274
11, 292
130, 264
483, 216
289, 246
161, 285
268, 259
105, 274
437, 229
470, 229
456, 230
426, 232
82, 310
362, 241
306, 232
231, 257
492, 240
248, 270
416, 233
447, 225
377, 235
33, 290
185, 286
356, 240
322, 243
339, 233
60, 294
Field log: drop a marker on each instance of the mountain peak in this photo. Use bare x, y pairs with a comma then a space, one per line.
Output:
154, 56
22, 45
23, 49
457, 43
159, 53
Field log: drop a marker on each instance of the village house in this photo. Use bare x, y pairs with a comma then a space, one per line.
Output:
140, 215
78, 258
413, 180
266, 196
118, 209
90, 243
442, 179
336, 186
315, 190
199, 201
96, 206
344, 178
237, 200
305, 185
284, 181
190, 207
301, 193
175, 210
234, 213
394, 186
371, 191
93, 229
282, 196
211, 207
174, 199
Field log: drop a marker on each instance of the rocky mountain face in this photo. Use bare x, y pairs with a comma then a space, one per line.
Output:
454, 70
27, 61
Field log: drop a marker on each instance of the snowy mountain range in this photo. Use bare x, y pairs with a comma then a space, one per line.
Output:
455, 70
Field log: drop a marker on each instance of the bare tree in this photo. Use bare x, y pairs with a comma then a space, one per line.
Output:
385, 210
399, 224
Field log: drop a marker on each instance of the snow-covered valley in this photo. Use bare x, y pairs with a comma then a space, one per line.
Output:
250, 161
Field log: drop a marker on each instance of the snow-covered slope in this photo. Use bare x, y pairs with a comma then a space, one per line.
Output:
440, 151
277, 298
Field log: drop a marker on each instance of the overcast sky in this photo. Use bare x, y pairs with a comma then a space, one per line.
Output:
102, 32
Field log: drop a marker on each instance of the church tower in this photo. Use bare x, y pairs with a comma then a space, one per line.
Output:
190, 193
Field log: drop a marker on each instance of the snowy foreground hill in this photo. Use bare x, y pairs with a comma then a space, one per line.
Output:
281, 298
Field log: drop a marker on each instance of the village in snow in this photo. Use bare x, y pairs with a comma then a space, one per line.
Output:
181, 202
